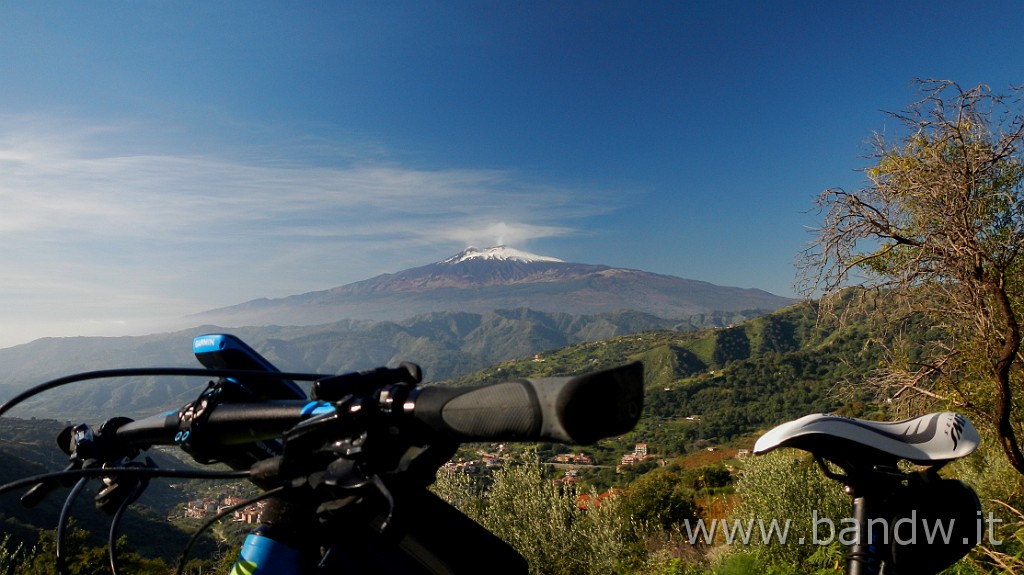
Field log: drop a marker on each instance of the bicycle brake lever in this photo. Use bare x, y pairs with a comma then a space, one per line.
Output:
116, 489
338, 386
43, 489
70, 440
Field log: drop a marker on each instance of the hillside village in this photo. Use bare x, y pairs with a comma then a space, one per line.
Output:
487, 462
203, 508
569, 461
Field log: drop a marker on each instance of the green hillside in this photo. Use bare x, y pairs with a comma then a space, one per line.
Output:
446, 345
720, 384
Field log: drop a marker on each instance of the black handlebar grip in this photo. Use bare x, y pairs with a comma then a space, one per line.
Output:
573, 410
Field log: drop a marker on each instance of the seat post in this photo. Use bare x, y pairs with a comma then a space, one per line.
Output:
863, 557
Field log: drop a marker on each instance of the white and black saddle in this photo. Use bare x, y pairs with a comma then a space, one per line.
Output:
931, 439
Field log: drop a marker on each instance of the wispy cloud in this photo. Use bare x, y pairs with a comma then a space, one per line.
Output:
90, 231
499, 233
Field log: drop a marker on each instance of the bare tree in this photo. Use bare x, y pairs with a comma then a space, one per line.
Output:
939, 227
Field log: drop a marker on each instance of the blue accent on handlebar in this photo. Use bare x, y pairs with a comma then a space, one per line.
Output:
316, 408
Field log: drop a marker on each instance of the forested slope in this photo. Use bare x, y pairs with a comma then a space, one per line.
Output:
719, 384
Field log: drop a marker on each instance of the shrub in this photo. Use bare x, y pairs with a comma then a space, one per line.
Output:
790, 489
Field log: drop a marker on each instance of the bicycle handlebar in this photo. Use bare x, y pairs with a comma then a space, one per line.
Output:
368, 443
229, 423
574, 410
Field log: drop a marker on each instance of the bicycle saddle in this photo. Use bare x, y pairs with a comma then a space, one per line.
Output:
925, 440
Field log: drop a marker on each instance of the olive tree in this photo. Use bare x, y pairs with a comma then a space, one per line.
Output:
541, 519
11, 556
939, 227
786, 490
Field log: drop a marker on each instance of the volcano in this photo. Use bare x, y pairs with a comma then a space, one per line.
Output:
501, 277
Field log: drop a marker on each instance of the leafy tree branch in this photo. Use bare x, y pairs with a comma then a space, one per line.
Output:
939, 228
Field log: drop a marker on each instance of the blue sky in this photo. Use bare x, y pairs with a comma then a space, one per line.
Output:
162, 158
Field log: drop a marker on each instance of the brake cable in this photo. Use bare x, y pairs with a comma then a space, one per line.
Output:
137, 471
62, 524
116, 520
150, 371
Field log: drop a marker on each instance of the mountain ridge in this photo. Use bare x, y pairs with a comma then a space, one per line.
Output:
452, 316
500, 277
445, 344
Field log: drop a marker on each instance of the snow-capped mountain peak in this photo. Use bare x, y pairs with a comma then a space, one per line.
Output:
498, 278
498, 253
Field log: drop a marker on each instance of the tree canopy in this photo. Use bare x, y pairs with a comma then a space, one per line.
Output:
939, 226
